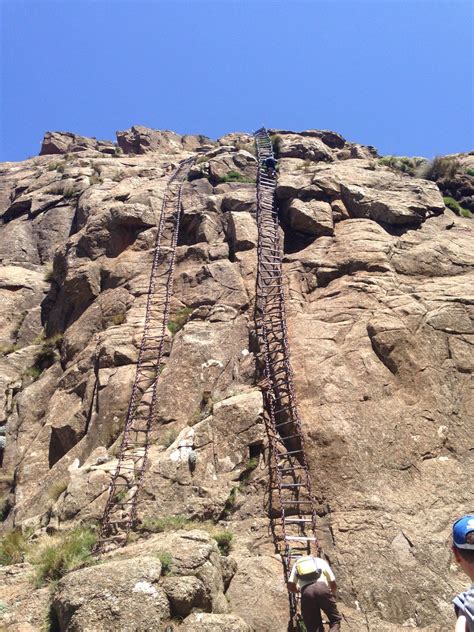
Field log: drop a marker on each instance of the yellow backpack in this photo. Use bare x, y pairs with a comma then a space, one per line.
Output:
307, 568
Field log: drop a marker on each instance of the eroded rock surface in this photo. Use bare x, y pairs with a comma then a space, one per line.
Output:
379, 283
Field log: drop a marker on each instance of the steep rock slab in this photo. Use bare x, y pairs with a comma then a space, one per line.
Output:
379, 193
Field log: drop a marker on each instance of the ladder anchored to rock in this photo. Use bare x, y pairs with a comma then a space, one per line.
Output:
291, 502
120, 514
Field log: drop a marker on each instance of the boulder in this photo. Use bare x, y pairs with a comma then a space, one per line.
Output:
184, 594
122, 594
312, 218
379, 193
64, 142
242, 231
258, 594
304, 147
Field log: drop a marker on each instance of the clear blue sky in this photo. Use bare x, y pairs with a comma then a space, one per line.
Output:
396, 74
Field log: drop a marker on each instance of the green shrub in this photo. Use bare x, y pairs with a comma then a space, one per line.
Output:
405, 164
62, 553
452, 204
166, 523
56, 166
13, 548
166, 560
300, 626
118, 319
47, 355
179, 319
276, 143
224, 541
470, 172
33, 371
234, 176
230, 503
249, 468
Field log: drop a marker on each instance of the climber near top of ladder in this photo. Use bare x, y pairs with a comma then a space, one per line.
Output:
314, 578
270, 165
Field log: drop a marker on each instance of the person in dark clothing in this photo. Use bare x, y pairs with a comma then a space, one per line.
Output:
270, 165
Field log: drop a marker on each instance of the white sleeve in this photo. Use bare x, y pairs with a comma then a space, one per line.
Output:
292, 574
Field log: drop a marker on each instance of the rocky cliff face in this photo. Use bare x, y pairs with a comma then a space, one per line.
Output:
379, 281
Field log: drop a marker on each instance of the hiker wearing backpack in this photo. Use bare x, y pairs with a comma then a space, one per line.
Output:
463, 550
314, 578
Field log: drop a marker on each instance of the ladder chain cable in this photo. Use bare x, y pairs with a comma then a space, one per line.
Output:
120, 513
292, 507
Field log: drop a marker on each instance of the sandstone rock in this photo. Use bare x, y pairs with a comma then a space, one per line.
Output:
184, 594
121, 595
379, 194
257, 576
203, 622
141, 140
23, 609
307, 148
313, 217
242, 231
240, 199
329, 138
63, 142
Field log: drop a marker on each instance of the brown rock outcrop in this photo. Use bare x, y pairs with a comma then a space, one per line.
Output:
379, 276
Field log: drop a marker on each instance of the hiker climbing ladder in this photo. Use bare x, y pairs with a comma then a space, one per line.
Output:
120, 512
291, 503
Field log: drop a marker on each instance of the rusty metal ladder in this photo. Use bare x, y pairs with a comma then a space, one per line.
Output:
291, 503
120, 514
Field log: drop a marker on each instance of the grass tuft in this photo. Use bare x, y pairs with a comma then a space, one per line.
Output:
166, 523
179, 319
452, 204
62, 553
224, 541
166, 560
57, 489
118, 319
13, 548
234, 176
